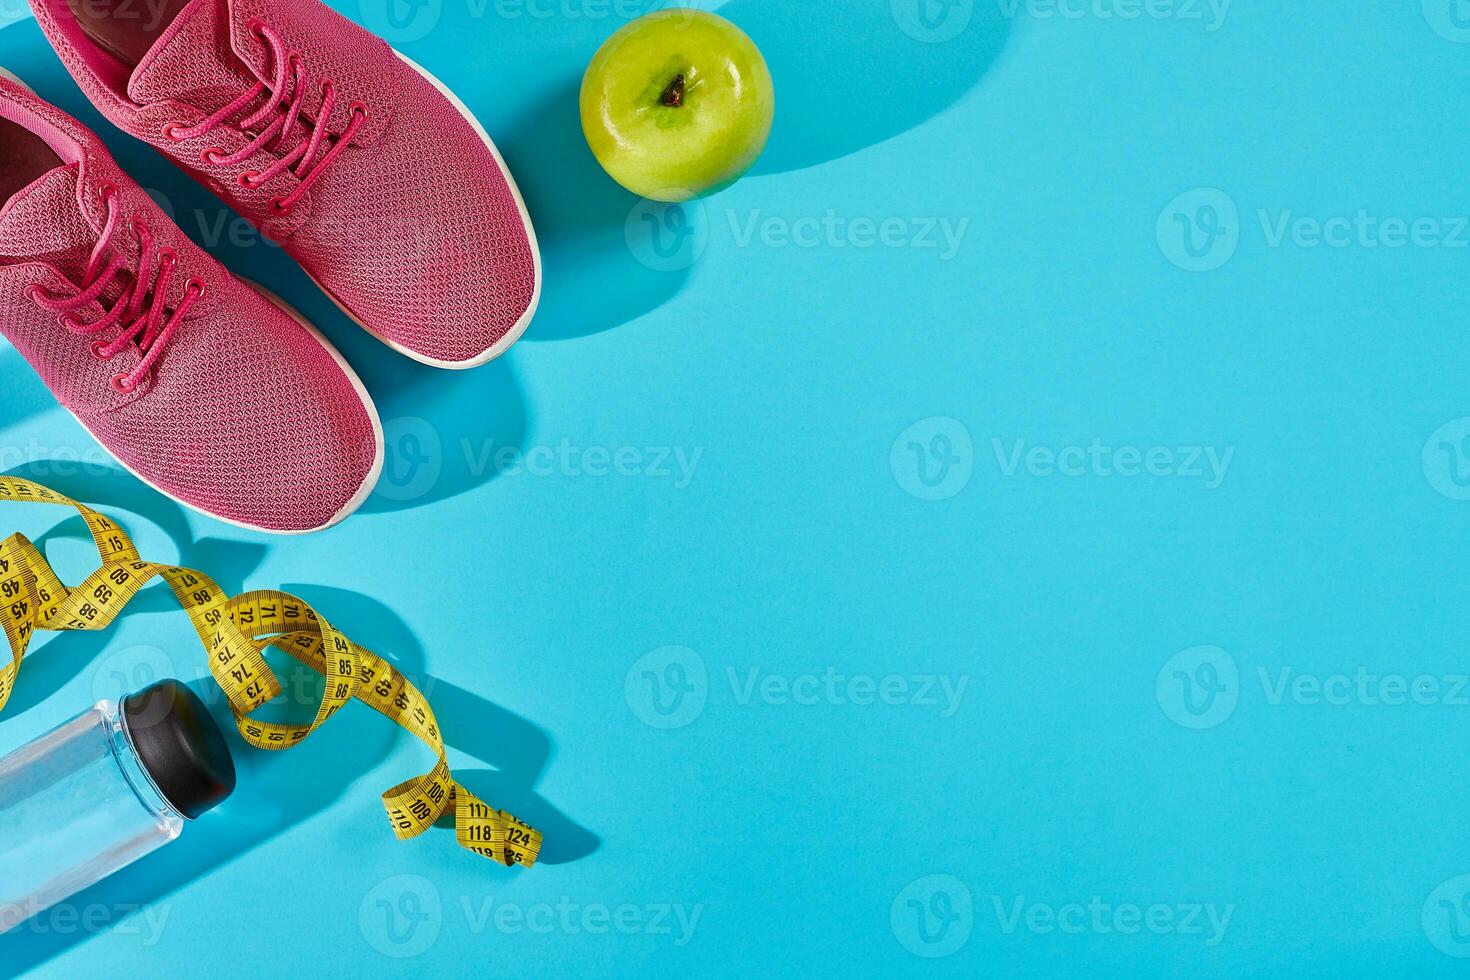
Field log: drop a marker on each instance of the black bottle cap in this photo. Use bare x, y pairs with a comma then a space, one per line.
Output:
180, 746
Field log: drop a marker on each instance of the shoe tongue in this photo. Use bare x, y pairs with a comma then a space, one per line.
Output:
192, 61
43, 221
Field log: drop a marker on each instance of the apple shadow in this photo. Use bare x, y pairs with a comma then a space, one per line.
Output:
597, 277
875, 70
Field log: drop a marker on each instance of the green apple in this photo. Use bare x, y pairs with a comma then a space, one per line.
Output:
677, 103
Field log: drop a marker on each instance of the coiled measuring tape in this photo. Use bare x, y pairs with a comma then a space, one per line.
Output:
235, 633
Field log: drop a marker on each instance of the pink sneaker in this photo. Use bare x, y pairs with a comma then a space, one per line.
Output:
197, 383
361, 164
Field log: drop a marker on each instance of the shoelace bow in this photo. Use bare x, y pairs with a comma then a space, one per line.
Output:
302, 159
147, 329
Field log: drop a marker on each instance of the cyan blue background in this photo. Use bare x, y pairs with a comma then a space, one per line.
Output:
523, 602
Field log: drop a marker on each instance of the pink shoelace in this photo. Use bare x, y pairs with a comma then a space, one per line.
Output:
148, 329
302, 157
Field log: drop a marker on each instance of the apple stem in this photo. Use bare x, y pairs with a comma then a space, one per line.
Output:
673, 96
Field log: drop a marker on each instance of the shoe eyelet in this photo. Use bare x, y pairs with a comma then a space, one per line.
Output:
249, 179
138, 225
256, 27
195, 284
359, 109
167, 256
171, 132
123, 385
33, 293
69, 322
107, 192
278, 207
99, 350
212, 154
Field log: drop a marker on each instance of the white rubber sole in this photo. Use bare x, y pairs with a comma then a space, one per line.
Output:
511, 336
369, 482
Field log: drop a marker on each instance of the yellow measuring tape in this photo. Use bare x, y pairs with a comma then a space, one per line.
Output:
235, 633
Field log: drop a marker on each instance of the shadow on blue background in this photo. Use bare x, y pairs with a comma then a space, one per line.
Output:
472, 415
858, 83
482, 412
25, 395
278, 790
594, 282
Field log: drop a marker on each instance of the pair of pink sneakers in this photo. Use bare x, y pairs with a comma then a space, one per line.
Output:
366, 169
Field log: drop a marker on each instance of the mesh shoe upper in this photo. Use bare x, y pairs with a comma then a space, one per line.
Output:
246, 414
415, 227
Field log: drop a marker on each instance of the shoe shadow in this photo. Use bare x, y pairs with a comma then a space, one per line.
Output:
875, 70
596, 278
280, 790
55, 658
25, 394
442, 429
441, 435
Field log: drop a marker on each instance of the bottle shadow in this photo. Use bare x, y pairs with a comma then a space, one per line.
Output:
278, 790
876, 70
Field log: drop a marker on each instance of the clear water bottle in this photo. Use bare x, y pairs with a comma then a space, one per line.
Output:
108, 787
